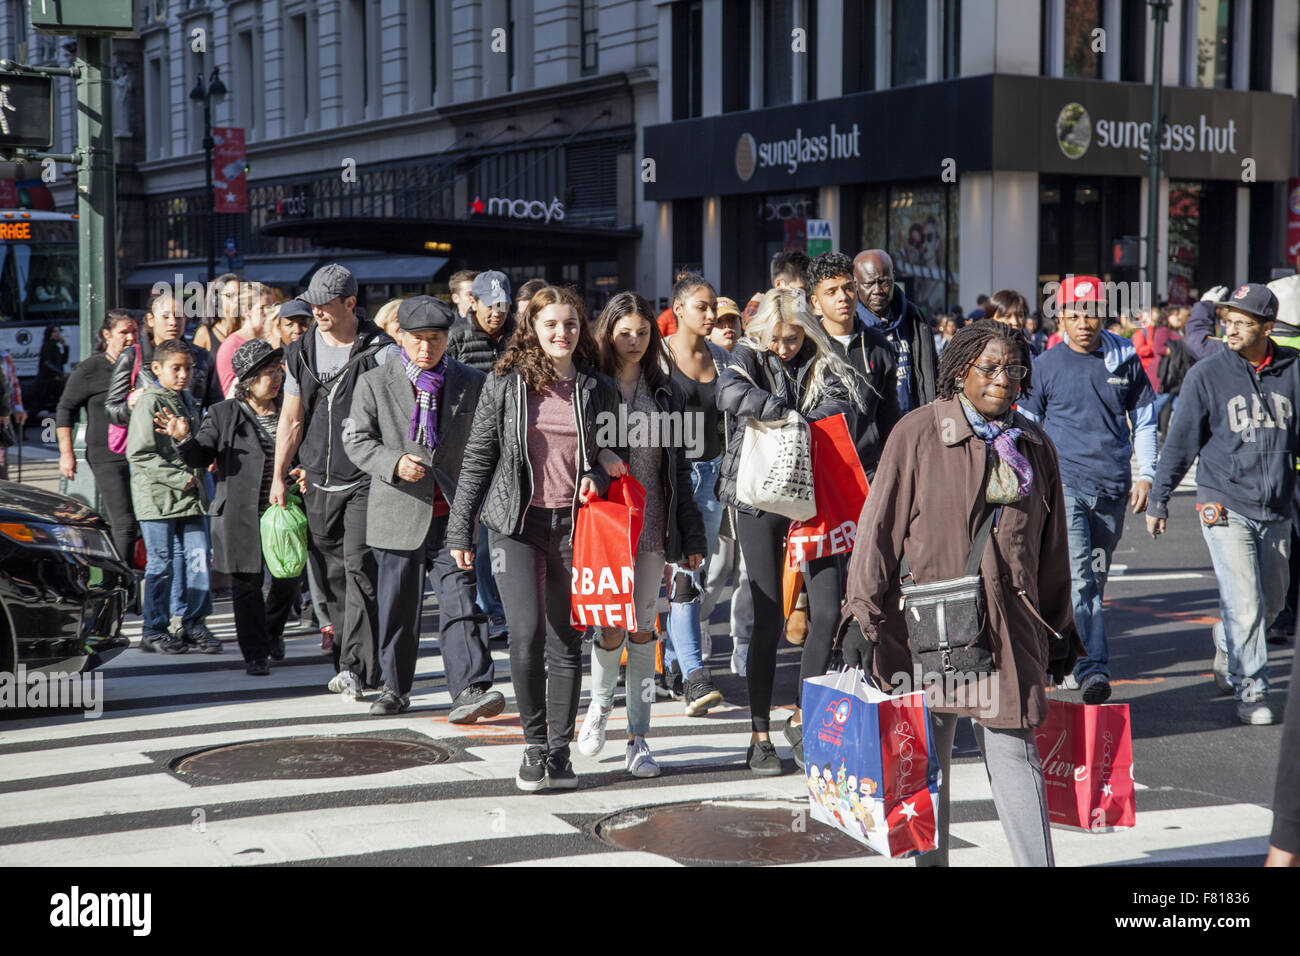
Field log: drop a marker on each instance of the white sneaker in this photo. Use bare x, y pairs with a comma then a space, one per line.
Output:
640, 762
591, 738
1070, 683
346, 683
1255, 712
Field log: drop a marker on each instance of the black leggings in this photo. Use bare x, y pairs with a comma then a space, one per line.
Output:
113, 479
536, 570
761, 542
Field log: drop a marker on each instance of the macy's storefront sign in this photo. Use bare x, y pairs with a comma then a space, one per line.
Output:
519, 208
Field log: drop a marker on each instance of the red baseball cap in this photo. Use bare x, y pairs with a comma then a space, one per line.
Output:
1080, 289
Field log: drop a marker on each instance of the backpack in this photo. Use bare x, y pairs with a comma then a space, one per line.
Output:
1173, 367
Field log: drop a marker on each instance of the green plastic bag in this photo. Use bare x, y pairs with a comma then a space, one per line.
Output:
284, 538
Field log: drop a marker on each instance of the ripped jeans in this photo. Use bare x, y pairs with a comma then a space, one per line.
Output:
164, 540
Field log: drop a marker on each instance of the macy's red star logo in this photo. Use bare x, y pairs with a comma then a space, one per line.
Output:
476, 206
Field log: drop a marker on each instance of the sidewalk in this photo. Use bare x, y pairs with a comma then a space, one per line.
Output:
40, 462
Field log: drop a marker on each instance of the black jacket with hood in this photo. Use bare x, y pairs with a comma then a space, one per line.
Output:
911, 325
204, 386
1242, 424
870, 353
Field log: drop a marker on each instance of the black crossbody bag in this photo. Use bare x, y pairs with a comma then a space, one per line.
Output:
947, 622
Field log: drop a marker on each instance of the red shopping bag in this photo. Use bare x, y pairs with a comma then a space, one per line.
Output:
604, 557
1087, 756
839, 488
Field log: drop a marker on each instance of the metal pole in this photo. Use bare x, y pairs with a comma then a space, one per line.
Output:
1159, 13
208, 145
96, 186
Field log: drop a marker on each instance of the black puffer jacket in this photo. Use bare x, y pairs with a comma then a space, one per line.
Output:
468, 344
683, 524
204, 387
771, 399
497, 475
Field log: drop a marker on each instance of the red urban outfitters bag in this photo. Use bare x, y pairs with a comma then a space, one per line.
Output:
604, 558
1087, 756
840, 490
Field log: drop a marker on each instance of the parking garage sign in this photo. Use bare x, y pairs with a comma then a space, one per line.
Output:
26, 111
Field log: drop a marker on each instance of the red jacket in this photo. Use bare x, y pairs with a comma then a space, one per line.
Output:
1151, 348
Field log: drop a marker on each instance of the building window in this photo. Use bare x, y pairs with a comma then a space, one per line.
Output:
510, 45
859, 45
1133, 56
908, 31
365, 56
735, 50
432, 47
1208, 43
246, 89
199, 72
778, 57
917, 224
688, 235
688, 55
157, 107
1082, 17
951, 39
1261, 49
588, 27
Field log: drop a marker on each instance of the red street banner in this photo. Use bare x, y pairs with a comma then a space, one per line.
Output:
230, 159
1293, 223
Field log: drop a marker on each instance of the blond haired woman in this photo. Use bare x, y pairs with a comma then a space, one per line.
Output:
785, 362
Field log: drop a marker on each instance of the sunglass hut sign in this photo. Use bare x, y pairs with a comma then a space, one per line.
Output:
798, 150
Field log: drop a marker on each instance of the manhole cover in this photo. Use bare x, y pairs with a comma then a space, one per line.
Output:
305, 758
728, 831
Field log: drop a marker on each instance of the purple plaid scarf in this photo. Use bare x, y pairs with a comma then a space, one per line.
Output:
1013, 475
428, 384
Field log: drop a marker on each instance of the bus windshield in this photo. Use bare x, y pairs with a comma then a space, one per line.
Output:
38, 270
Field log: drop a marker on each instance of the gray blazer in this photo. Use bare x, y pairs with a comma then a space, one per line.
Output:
374, 437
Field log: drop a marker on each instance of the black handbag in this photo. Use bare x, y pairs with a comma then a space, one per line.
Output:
947, 623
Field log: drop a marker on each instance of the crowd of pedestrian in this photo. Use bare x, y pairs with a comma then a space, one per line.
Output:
461, 438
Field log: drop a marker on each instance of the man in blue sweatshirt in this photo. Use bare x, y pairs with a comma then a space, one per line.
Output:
1237, 411
1085, 397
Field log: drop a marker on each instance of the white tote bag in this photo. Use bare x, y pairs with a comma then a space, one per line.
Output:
775, 470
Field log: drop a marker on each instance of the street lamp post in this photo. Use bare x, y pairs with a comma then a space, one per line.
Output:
214, 88
1159, 14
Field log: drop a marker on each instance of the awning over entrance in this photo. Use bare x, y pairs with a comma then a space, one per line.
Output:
394, 270
149, 276
281, 272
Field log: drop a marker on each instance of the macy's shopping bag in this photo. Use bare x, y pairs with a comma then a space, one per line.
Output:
604, 557
872, 767
840, 490
1087, 756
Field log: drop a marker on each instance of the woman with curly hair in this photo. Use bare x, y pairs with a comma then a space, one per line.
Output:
531, 461
963, 461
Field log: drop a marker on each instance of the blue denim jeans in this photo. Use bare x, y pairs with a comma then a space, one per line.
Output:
1094, 527
163, 541
487, 597
684, 617
1252, 562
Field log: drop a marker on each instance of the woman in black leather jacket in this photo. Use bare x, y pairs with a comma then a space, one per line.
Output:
532, 459
785, 362
165, 320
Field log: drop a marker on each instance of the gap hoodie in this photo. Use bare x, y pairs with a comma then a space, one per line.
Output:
1242, 423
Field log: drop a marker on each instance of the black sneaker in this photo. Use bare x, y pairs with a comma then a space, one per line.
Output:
559, 770
794, 736
1096, 689
700, 694
669, 684
475, 701
199, 637
163, 643
532, 770
258, 668
390, 703
763, 760
277, 648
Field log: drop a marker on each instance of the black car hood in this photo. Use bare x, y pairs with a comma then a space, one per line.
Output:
25, 503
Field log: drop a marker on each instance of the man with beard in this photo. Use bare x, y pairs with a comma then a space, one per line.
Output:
883, 306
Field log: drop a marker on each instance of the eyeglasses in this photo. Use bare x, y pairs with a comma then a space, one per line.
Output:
1014, 372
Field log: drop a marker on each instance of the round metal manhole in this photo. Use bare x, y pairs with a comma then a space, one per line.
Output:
728, 831
305, 758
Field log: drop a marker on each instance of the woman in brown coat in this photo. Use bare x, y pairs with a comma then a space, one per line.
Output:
927, 501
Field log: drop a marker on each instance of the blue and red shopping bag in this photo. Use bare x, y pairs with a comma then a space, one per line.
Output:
1087, 757
604, 558
872, 767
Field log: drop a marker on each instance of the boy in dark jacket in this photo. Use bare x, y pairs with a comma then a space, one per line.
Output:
1237, 412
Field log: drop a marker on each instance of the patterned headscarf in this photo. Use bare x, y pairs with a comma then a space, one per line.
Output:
1013, 475
428, 384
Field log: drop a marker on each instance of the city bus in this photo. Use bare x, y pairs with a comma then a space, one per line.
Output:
38, 285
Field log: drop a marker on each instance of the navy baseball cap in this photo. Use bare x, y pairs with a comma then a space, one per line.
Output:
1253, 299
295, 309
491, 288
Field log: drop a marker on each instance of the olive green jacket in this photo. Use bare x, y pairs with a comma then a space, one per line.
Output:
158, 475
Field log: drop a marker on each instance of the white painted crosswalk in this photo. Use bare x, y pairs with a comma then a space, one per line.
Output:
101, 792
